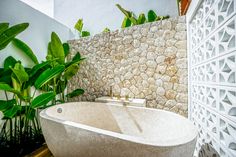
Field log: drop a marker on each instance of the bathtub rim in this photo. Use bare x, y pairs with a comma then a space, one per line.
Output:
134, 139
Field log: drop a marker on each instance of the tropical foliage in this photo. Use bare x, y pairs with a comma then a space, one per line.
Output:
131, 19
21, 132
79, 27
7, 34
28, 90
60, 72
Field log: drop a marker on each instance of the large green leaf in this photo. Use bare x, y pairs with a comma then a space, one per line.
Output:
19, 73
11, 112
141, 18
56, 48
43, 99
77, 56
85, 33
9, 34
47, 75
15, 83
9, 62
79, 25
49, 53
61, 86
133, 20
126, 12
66, 48
71, 71
151, 16
75, 93
126, 23
3, 27
75, 60
6, 104
25, 49
6, 87
38, 68
5, 76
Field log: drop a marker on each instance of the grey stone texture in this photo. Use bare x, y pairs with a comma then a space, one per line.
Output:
145, 61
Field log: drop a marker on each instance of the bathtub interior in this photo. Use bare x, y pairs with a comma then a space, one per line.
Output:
154, 126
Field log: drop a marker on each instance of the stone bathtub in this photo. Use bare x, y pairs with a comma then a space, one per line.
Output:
90, 129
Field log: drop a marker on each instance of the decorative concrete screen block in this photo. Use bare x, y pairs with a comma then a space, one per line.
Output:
212, 88
145, 61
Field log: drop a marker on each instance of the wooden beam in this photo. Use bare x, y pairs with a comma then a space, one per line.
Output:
41, 152
184, 4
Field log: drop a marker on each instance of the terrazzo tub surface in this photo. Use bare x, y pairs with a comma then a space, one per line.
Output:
90, 129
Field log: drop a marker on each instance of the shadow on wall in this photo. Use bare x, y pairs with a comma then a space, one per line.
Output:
208, 151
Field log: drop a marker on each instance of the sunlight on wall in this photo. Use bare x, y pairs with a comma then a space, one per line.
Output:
37, 35
45, 6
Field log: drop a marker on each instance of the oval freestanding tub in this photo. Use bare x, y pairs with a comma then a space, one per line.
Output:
90, 129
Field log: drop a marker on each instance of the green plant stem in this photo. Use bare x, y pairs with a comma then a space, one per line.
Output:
63, 96
37, 122
54, 89
34, 125
11, 130
15, 130
6, 95
34, 93
3, 131
63, 93
20, 122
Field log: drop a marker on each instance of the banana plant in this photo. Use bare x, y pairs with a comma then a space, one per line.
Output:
21, 131
7, 34
79, 27
141, 19
153, 17
131, 19
55, 78
126, 23
23, 47
20, 106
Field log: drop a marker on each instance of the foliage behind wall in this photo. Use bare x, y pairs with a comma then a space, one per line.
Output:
79, 27
131, 19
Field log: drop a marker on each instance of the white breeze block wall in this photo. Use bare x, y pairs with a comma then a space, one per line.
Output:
212, 79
